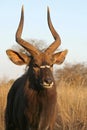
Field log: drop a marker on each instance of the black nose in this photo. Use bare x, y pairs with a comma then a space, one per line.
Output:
48, 80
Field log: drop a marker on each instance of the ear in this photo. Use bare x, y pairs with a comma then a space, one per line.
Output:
18, 58
60, 57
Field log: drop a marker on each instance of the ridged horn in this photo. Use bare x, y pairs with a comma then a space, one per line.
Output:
56, 36
30, 48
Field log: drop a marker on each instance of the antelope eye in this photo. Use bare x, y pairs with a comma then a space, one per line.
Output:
51, 65
36, 66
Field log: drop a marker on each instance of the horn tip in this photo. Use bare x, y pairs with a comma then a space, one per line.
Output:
22, 8
48, 10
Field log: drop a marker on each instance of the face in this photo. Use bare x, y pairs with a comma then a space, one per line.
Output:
42, 69
40, 66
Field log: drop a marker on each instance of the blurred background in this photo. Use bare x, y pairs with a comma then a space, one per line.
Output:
68, 17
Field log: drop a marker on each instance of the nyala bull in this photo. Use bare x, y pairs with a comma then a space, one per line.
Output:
32, 99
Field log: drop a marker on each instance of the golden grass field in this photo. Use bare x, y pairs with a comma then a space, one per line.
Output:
72, 98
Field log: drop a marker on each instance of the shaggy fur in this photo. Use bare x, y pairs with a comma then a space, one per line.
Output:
29, 108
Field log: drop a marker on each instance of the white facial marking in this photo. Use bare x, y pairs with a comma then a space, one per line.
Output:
47, 66
44, 66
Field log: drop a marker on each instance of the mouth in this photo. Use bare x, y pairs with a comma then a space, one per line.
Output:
46, 85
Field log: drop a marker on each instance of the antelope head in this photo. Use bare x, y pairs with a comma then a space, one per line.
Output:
40, 63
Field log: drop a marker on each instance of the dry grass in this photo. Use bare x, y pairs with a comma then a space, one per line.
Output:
72, 98
4, 88
72, 107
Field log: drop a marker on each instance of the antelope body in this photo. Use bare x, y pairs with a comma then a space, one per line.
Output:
32, 99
